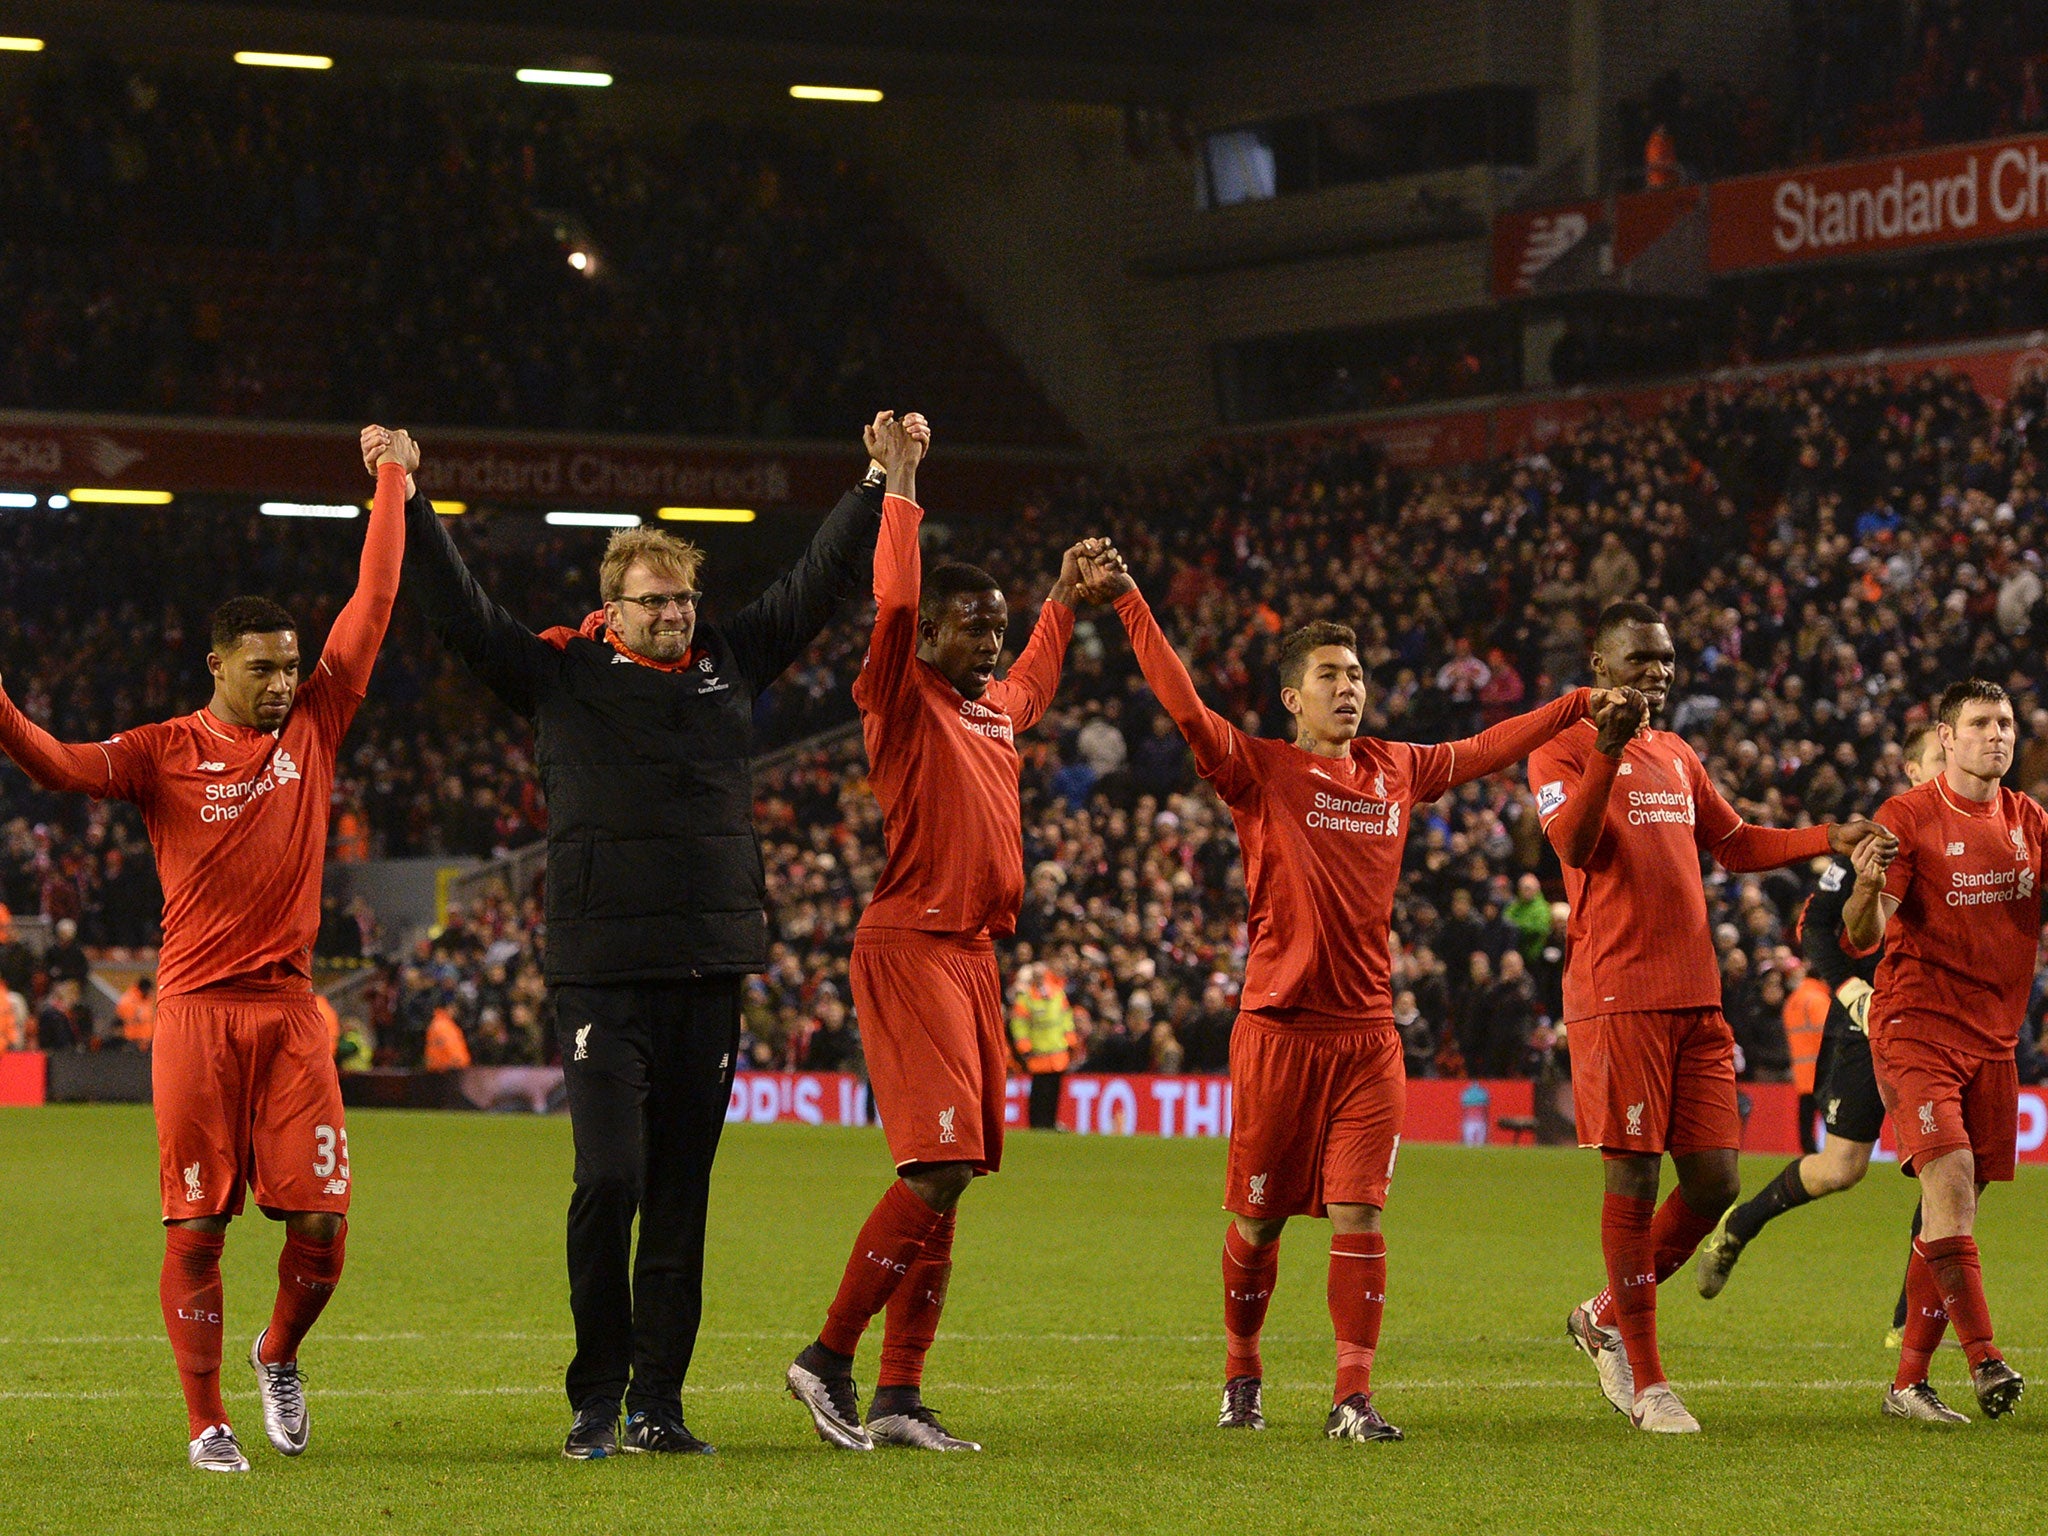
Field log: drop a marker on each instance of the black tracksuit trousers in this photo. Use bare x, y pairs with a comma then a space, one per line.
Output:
649, 1071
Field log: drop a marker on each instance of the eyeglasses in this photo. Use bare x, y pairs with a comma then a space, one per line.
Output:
657, 603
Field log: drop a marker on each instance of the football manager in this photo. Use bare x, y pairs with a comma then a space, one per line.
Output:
655, 905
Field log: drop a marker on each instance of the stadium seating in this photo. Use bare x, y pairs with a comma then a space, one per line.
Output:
1829, 550
553, 271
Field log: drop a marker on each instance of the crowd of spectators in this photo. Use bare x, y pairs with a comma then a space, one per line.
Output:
1829, 551
185, 240
1865, 77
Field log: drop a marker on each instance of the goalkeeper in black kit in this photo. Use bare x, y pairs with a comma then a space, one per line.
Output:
1844, 1081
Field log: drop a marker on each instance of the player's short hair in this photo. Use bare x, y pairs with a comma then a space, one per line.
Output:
948, 580
1915, 739
1615, 615
669, 557
1313, 636
240, 616
1973, 690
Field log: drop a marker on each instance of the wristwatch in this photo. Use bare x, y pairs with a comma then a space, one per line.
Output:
875, 476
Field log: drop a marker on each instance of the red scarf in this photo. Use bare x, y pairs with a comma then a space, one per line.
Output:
595, 628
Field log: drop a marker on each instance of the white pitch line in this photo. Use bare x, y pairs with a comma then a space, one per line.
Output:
770, 1336
981, 1388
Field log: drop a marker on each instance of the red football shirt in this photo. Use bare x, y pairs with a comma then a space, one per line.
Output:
238, 816
1958, 964
1638, 940
943, 766
1322, 838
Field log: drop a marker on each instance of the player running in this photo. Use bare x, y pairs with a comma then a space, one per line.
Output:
940, 731
1318, 1081
1959, 913
1653, 1060
1845, 1082
235, 798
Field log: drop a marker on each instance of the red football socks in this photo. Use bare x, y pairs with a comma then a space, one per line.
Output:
890, 1239
1358, 1296
1248, 1277
1677, 1233
1960, 1278
1926, 1321
1628, 1243
1675, 1236
191, 1293
914, 1309
307, 1273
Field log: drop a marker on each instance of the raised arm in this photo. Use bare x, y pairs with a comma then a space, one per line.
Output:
1208, 734
351, 650
770, 633
1514, 739
504, 653
1027, 692
899, 567
71, 767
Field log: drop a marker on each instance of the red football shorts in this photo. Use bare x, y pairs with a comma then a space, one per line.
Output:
1942, 1100
1655, 1082
247, 1097
1315, 1117
930, 1007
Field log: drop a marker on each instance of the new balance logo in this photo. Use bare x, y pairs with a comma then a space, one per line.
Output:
1927, 1125
335, 1187
1625, 769
213, 767
946, 1124
1257, 1188
582, 1044
1635, 1120
193, 1192
282, 765
621, 661
1955, 850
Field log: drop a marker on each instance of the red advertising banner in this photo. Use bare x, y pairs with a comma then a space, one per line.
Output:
1528, 243
1932, 197
1439, 1109
1641, 219
282, 461
24, 1077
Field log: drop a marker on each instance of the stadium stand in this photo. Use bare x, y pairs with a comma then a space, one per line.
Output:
1829, 548
528, 264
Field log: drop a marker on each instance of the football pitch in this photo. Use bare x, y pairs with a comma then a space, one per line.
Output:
1082, 1344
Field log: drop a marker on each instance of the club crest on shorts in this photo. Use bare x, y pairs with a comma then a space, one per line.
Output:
946, 1123
1635, 1119
582, 1044
1927, 1125
193, 1192
1256, 1187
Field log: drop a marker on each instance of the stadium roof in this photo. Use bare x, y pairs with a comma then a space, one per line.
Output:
1145, 51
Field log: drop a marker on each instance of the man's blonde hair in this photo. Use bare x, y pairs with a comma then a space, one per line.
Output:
676, 559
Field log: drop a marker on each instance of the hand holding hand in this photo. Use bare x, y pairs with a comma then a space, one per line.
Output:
400, 449
1872, 857
1847, 836
377, 443
1104, 575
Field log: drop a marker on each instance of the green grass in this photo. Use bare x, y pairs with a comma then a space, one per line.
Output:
1082, 1344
